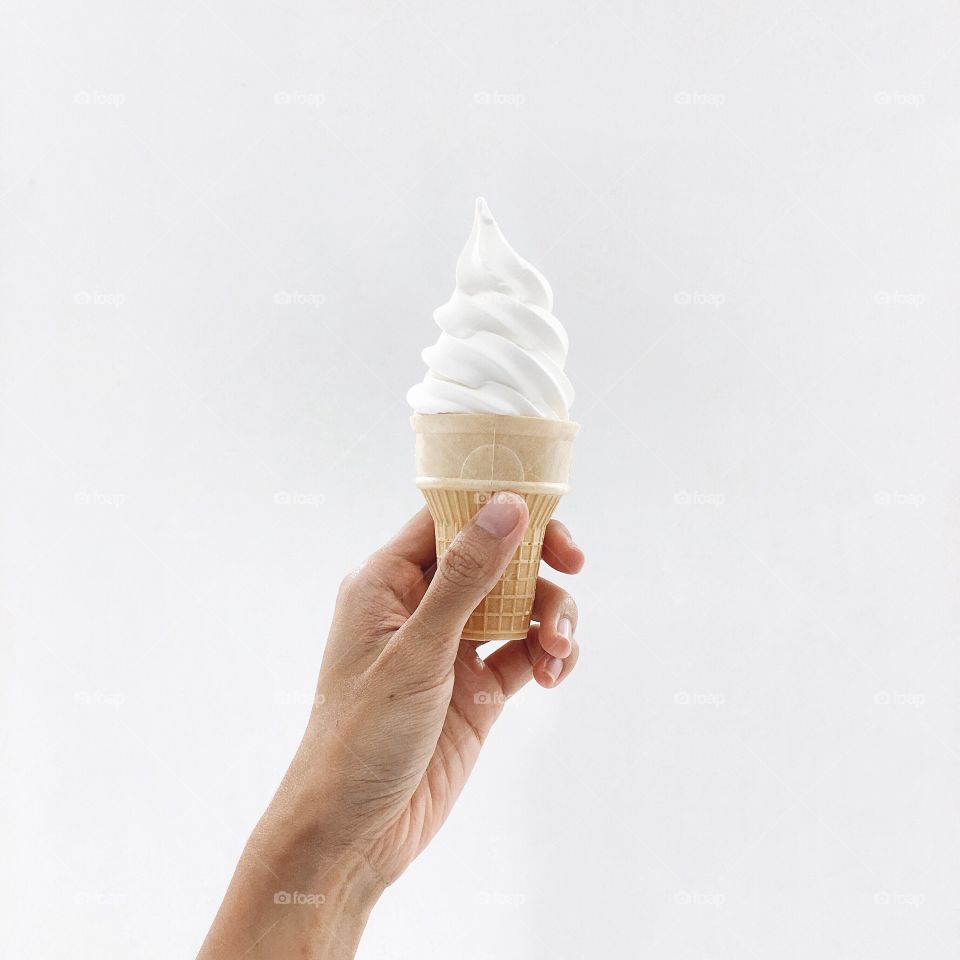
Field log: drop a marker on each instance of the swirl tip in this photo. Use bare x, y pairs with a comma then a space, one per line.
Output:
483, 211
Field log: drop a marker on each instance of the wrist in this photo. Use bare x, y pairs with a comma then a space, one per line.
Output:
305, 853
322, 894
345, 896
293, 894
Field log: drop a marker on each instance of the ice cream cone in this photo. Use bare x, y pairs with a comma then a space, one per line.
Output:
464, 459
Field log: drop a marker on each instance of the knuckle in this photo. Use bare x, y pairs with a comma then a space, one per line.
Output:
380, 569
562, 527
348, 585
463, 564
405, 668
557, 600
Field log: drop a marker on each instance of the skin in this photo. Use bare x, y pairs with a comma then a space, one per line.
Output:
402, 709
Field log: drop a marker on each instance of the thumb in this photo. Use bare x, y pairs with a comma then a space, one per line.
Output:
468, 570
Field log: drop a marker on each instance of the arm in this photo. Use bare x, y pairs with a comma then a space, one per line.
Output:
402, 709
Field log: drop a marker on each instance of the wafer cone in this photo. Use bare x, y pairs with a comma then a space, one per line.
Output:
464, 459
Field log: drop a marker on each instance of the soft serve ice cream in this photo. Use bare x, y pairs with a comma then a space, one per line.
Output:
492, 414
501, 350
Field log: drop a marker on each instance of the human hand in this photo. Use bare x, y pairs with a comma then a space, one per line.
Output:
402, 709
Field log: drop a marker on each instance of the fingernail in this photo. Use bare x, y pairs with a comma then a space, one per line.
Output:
553, 666
500, 515
565, 628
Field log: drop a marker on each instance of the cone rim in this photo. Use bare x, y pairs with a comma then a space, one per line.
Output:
495, 486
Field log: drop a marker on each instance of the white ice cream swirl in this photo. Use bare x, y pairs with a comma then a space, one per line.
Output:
501, 350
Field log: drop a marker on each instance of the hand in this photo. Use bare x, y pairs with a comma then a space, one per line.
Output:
402, 709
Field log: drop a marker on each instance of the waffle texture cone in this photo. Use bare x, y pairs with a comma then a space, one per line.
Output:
464, 459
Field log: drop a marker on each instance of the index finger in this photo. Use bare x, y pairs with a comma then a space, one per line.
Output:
559, 550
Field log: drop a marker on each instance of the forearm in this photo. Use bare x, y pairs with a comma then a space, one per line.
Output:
290, 897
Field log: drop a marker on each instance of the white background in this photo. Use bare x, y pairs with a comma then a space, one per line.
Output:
748, 212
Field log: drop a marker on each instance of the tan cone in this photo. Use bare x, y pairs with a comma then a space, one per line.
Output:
463, 459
